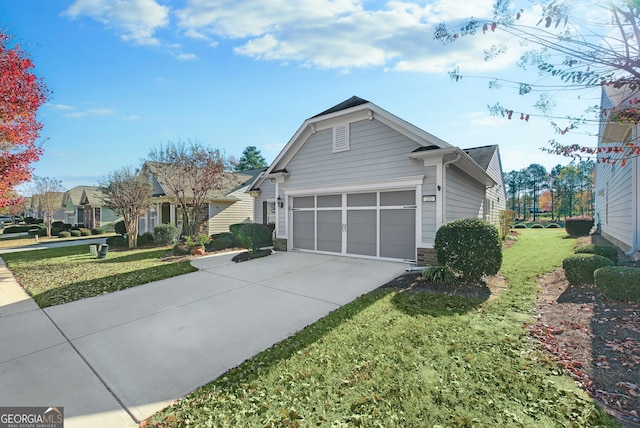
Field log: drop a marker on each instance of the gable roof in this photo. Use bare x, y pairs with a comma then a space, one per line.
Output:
482, 155
75, 194
354, 108
93, 196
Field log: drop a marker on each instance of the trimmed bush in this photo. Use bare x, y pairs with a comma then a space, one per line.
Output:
254, 236
578, 226
64, 234
602, 250
235, 242
145, 239
119, 228
39, 221
553, 226
165, 234
74, 233
469, 246
97, 231
18, 229
235, 228
57, 224
537, 226
85, 232
520, 226
579, 268
619, 282
36, 231
219, 244
117, 242
29, 220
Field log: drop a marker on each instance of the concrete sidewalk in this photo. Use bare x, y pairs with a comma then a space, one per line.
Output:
116, 359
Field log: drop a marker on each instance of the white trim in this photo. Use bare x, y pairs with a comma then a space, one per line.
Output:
408, 183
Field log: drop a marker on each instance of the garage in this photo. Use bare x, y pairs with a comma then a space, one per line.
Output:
380, 224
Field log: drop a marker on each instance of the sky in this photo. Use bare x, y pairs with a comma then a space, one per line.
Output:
127, 76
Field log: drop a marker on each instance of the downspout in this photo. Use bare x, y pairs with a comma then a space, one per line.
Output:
634, 242
445, 165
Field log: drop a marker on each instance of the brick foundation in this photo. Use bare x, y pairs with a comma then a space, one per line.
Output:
427, 257
279, 244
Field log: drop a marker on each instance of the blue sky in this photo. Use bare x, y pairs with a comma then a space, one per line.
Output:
129, 75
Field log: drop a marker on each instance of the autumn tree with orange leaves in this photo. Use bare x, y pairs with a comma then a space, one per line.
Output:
21, 95
582, 45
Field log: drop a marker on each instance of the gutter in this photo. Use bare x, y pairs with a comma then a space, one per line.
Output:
634, 243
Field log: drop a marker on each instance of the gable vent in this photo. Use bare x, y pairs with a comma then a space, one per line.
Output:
341, 138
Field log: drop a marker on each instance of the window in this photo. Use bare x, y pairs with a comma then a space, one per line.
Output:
341, 138
271, 212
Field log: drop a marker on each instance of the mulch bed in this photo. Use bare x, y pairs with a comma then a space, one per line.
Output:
595, 339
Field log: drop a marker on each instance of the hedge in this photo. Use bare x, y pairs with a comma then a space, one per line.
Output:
602, 250
619, 282
579, 268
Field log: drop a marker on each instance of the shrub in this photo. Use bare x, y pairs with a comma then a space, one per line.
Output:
506, 217
602, 250
165, 234
57, 224
469, 246
553, 226
39, 221
18, 229
520, 226
220, 244
578, 226
36, 232
119, 228
75, 233
117, 242
146, 239
200, 240
537, 226
440, 274
235, 228
254, 236
180, 250
97, 231
235, 242
579, 268
85, 232
29, 220
619, 282
64, 234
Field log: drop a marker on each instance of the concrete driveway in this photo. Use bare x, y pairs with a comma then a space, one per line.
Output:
116, 359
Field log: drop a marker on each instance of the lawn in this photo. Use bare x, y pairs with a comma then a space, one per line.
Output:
408, 359
61, 275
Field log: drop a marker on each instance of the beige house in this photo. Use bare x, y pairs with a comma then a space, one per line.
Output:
229, 205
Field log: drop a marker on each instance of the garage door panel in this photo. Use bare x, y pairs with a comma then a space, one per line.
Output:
397, 233
330, 231
304, 230
362, 232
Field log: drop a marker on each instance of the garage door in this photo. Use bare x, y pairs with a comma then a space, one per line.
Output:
371, 224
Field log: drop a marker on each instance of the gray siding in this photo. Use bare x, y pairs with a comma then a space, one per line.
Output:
496, 194
464, 197
267, 191
614, 190
377, 152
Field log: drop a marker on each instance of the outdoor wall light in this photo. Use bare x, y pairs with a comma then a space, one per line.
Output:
428, 198
280, 204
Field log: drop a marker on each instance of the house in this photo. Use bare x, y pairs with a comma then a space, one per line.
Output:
83, 205
617, 171
37, 210
229, 205
357, 180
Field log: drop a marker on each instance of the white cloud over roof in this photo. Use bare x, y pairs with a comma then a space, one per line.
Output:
340, 34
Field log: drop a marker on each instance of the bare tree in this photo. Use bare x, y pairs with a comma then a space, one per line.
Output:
583, 44
49, 194
129, 194
192, 173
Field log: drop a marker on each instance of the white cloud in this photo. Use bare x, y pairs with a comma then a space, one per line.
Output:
59, 107
90, 112
186, 57
131, 117
483, 119
135, 20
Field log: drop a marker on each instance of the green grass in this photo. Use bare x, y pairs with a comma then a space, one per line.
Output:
407, 359
62, 275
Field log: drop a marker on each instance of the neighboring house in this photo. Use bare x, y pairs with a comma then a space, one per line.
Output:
37, 210
617, 169
84, 205
229, 205
357, 180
